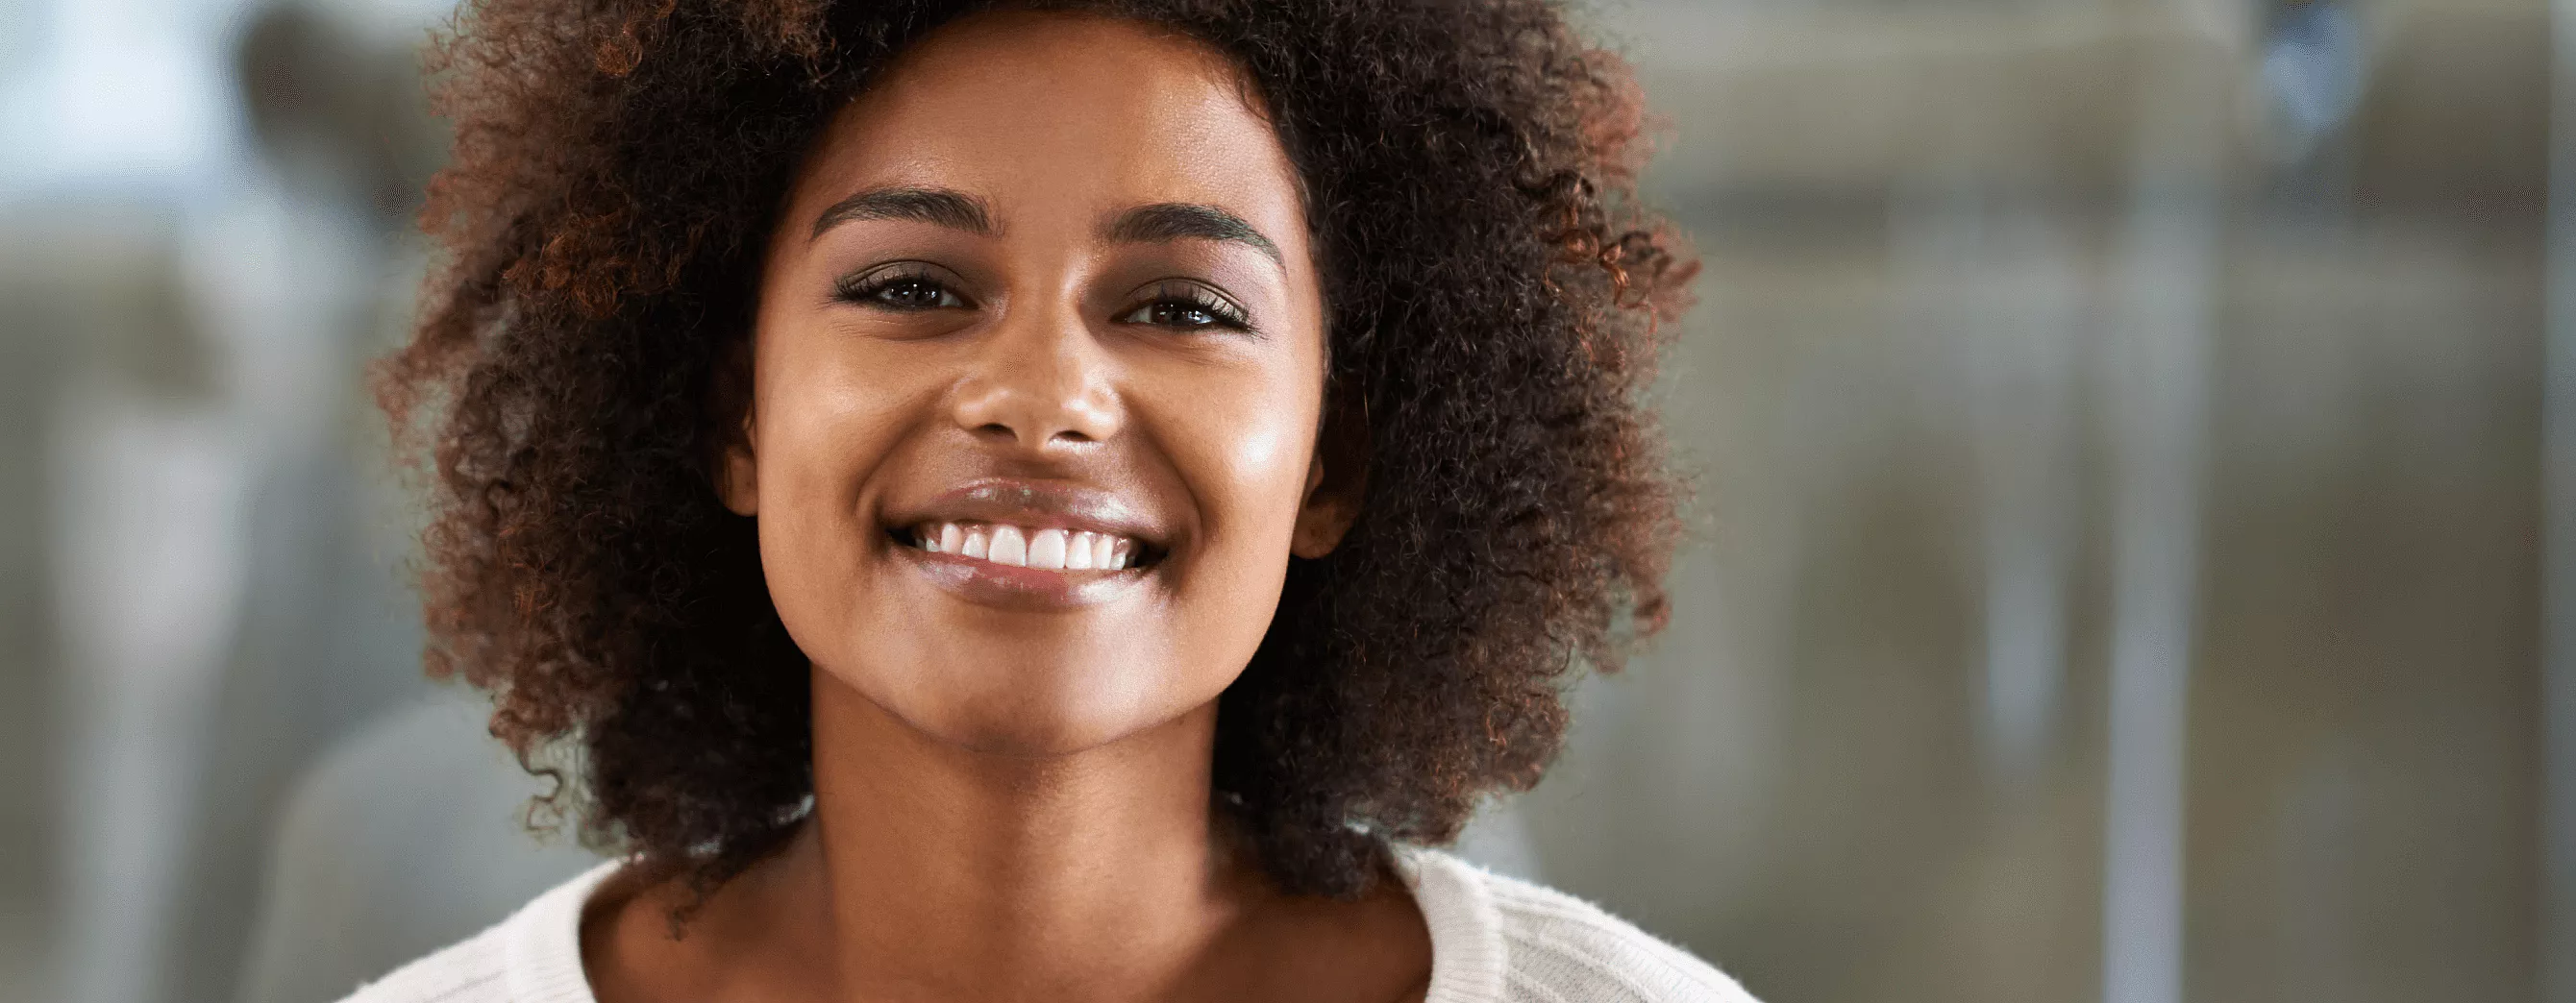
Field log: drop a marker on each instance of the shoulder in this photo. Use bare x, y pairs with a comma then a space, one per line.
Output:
1511, 941
1577, 951
532, 957
470, 971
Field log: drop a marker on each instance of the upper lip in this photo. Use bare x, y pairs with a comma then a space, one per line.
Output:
1033, 504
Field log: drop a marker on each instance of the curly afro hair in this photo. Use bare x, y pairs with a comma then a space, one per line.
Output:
1494, 291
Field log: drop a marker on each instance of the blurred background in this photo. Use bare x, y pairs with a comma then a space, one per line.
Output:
2135, 446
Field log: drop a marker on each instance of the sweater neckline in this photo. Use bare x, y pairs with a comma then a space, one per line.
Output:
541, 944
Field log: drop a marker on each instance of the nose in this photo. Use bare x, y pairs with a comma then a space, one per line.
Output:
1040, 386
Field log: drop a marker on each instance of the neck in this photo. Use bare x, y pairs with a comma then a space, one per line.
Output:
932, 871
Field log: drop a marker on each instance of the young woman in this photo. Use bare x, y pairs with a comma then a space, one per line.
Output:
1039, 502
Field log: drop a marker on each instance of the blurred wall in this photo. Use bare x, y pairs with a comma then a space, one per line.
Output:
2051, 349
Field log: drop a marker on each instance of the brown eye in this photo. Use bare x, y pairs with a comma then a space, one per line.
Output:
915, 294
1187, 308
903, 289
1173, 315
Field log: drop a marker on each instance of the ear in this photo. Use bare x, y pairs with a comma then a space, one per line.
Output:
737, 467
1336, 481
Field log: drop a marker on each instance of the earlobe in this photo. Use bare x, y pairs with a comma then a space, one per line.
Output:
1334, 486
738, 479
737, 467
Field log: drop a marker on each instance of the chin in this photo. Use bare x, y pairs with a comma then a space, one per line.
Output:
1031, 711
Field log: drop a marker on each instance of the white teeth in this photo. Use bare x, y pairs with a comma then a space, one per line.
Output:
1046, 549
1009, 547
1043, 549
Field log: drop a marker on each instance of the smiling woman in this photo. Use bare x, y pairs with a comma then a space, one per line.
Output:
1053, 502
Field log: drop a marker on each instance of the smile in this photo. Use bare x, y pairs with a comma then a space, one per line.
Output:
1042, 549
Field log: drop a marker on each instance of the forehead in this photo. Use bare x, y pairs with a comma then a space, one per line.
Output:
1046, 114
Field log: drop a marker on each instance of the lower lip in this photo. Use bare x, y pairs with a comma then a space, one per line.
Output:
1007, 587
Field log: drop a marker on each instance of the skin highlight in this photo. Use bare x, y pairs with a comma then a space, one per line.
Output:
1047, 269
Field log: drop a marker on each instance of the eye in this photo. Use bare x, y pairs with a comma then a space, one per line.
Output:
899, 287
1187, 307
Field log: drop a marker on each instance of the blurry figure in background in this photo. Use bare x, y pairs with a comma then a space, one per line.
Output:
410, 834
404, 839
260, 614
2315, 64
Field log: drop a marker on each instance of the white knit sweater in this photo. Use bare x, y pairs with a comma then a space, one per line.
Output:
1493, 940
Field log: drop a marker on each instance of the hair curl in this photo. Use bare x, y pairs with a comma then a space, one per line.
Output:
1494, 292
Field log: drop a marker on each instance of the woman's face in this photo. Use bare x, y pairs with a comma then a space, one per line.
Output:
1036, 380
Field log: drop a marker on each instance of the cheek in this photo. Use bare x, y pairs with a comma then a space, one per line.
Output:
1268, 459
1240, 447
819, 430
825, 421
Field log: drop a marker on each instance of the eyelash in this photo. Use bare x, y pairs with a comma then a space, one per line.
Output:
1222, 314
866, 290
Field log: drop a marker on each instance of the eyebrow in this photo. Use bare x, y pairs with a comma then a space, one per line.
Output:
936, 206
1182, 220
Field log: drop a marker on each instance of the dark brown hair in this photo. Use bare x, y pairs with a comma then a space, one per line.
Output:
1494, 291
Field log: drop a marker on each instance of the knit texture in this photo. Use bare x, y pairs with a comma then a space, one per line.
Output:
1493, 940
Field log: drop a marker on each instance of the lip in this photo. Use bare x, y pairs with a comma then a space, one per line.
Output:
1031, 505
1036, 505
